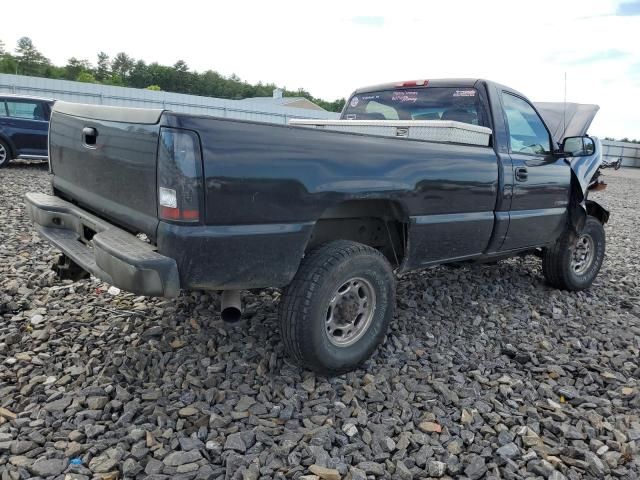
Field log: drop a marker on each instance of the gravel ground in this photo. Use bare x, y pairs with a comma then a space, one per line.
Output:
486, 373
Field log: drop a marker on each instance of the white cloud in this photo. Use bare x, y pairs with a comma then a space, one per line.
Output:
332, 47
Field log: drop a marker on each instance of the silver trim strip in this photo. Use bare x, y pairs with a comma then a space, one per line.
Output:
542, 212
453, 218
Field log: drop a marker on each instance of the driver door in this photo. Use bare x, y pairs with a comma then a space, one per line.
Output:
541, 182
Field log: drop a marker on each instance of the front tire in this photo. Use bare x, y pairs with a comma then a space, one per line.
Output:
338, 307
5, 154
574, 261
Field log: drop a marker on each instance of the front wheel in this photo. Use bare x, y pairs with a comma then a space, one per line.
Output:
574, 261
338, 307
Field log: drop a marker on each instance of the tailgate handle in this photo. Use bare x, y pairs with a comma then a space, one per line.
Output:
89, 134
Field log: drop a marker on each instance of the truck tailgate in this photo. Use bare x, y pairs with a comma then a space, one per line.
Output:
104, 159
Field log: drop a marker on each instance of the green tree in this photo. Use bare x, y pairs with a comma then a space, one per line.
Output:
86, 77
126, 71
155, 88
140, 76
75, 67
30, 60
122, 65
8, 64
103, 69
181, 66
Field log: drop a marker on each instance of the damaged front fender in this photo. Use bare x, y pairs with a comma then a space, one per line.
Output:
584, 170
584, 174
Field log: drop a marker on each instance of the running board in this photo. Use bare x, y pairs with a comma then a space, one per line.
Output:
33, 157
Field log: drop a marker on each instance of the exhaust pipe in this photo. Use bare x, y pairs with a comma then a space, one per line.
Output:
231, 306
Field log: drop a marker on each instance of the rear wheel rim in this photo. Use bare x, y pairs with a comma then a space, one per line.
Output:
3, 153
583, 254
350, 312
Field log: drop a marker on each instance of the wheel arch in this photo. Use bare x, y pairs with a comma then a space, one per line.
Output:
12, 148
580, 207
379, 223
594, 209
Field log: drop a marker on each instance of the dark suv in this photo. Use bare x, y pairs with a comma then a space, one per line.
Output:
24, 125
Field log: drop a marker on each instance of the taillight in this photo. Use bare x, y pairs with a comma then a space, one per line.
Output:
179, 175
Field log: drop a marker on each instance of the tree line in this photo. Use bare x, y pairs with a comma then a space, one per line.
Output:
125, 71
625, 139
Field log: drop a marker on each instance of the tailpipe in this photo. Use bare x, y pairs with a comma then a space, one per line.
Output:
231, 306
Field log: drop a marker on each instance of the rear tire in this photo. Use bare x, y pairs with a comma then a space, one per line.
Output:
574, 261
5, 154
338, 307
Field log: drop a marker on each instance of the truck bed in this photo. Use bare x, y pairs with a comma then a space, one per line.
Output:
266, 185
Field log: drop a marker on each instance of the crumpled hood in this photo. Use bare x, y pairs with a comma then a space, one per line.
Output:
576, 118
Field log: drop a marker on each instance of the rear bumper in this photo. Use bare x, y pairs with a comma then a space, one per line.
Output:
113, 255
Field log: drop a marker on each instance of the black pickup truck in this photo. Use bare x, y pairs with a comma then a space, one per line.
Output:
155, 202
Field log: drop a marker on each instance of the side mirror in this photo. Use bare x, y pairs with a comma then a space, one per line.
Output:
578, 146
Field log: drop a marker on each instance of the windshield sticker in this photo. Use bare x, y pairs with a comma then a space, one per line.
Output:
464, 93
354, 102
404, 97
371, 97
351, 116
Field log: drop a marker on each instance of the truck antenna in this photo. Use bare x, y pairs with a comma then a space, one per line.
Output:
564, 108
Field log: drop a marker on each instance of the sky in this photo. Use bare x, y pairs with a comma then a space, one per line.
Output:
332, 47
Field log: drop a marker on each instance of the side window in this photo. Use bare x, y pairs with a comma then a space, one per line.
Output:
527, 133
26, 110
3, 109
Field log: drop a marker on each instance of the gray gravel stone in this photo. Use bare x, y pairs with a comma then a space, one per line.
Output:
402, 472
235, 442
97, 403
509, 450
476, 468
103, 464
436, 469
371, 468
556, 475
131, 468
175, 459
44, 467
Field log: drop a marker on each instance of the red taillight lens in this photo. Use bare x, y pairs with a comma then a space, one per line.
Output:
179, 175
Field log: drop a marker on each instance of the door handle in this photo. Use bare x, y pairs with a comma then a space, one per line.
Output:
522, 174
89, 135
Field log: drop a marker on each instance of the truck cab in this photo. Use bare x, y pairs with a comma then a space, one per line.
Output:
534, 188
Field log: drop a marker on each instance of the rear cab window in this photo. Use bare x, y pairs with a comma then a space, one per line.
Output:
426, 103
